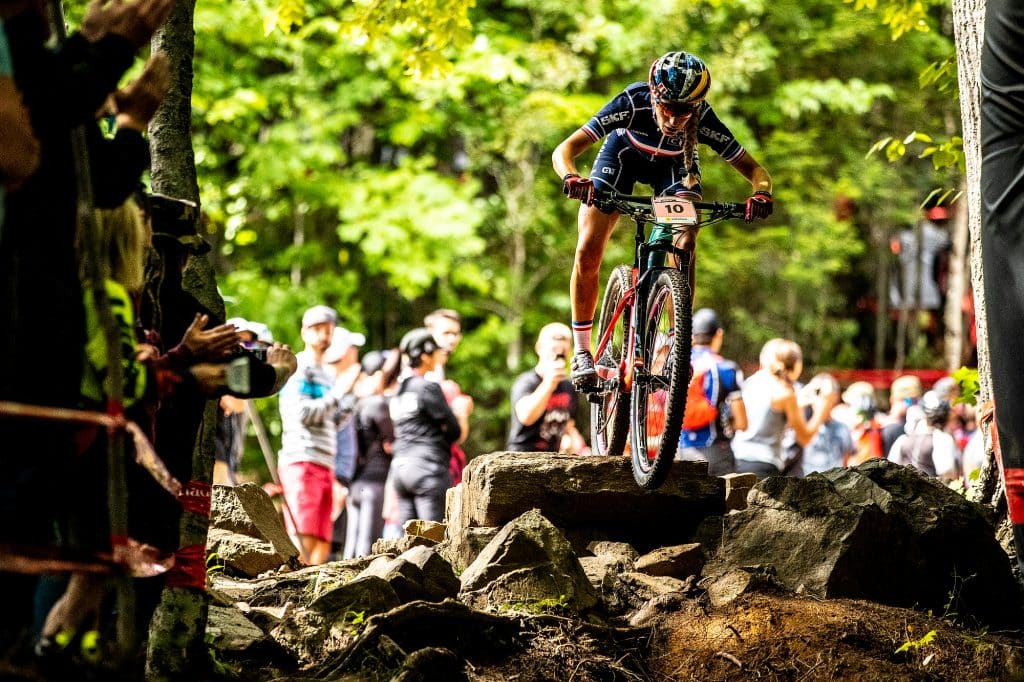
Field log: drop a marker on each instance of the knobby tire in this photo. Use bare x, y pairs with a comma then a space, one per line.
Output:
609, 419
658, 403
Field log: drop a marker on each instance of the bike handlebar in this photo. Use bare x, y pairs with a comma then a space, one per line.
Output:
639, 205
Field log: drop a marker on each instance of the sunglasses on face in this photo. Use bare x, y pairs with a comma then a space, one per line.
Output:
677, 109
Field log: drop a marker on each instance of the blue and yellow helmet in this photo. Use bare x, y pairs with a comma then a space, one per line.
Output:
679, 78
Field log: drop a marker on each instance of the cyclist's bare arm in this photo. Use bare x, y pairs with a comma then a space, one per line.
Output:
564, 157
749, 168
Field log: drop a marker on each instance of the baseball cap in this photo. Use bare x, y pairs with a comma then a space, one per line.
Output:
905, 387
858, 390
257, 329
937, 213
319, 314
705, 321
342, 340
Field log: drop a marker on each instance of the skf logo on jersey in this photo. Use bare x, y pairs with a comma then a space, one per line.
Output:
613, 118
714, 135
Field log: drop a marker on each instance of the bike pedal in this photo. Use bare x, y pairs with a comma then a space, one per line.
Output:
595, 397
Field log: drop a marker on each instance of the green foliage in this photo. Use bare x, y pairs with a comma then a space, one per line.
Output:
914, 644
213, 563
966, 379
389, 157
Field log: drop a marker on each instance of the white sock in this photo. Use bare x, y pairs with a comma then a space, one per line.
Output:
581, 334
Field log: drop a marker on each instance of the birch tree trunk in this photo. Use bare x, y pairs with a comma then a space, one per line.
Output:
969, 26
176, 645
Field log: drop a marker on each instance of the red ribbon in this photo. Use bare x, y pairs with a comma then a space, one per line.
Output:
195, 498
189, 568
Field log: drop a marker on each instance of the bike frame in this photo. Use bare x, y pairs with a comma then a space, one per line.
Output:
650, 253
643, 271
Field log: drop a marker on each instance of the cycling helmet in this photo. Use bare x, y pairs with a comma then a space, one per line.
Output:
417, 343
936, 408
679, 78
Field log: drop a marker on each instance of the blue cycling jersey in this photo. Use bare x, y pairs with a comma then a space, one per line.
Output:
632, 111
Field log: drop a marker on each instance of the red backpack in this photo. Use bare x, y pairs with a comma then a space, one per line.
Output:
699, 410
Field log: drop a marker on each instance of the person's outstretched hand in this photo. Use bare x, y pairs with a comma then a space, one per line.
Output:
284, 362
210, 344
135, 21
138, 101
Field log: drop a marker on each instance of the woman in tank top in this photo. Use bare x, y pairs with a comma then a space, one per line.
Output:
770, 403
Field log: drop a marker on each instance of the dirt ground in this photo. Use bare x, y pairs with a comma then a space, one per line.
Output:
769, 637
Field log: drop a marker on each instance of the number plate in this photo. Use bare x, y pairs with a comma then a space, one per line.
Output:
674, 210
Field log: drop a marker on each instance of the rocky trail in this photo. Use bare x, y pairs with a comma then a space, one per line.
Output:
559, 568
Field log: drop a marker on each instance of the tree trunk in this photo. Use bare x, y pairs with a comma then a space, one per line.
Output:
176, 646
968, 22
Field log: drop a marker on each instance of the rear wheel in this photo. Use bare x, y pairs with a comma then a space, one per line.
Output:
609, 418
659, 388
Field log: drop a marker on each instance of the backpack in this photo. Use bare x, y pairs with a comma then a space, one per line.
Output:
867, 439
699, 410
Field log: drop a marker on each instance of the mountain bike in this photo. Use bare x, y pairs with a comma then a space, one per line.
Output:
643, 351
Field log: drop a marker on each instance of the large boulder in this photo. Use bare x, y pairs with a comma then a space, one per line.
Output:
529, 562
877, 531
247, 535
586, 493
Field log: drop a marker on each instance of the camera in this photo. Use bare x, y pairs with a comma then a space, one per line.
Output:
254, 350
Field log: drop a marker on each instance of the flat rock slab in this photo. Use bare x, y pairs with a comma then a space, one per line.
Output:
588, 492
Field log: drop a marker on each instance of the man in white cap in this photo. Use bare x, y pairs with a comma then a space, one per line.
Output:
309, 421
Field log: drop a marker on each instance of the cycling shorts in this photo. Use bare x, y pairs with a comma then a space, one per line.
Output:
619, 165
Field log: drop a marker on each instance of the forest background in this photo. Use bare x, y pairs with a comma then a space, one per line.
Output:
388, 177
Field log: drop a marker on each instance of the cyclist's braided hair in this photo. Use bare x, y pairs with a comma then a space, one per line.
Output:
691, 160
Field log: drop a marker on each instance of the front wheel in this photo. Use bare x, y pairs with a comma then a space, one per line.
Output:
658, 397
609, 418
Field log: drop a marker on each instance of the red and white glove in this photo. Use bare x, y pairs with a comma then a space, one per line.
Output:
759, 206
576, 187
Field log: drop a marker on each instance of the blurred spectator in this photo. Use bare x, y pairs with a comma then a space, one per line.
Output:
832, 444
376, 436
904, 392
859, 411
309, 411
706, 432
446, 326
61, 89
928, 448
921, 261
770, 405
425, 428
343, 357
19, 148
83, 520
543, 399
